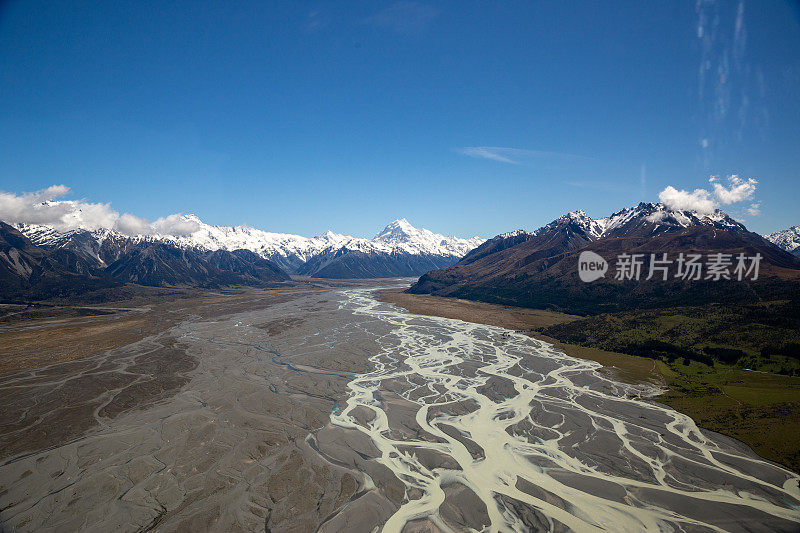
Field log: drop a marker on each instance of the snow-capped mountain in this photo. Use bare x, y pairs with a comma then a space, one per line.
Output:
287, 250
576, 229
400, 235
515, 233
539, 268
293, 252
657, 217
399, 249
81, 261
788, 239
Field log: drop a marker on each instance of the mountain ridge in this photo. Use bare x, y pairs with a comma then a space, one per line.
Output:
788, 239
539, 268
78, 263
401, 248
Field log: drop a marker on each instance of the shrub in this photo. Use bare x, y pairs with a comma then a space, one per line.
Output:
791, 350
729, 356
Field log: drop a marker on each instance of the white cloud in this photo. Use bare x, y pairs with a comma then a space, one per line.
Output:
175, 225
53, 192
705, 201
44, 207
738, 191
128, 224
511, 155
656, 216
404, 17
489, 152
698, 200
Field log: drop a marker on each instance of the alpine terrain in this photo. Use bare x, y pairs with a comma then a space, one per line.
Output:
40, 261
788, 239
539, 268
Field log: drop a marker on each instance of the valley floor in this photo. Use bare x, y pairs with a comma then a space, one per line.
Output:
758, 408
166, 411
315, 407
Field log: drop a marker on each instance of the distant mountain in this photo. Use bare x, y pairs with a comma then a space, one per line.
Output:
539, 269
496, 244
345, 263
93, 251
400, 249
401, 236
66, 264
28, 271
788, 239
159, 264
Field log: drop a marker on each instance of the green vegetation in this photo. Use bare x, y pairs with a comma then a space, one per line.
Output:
760, 409
763, 336
733, 369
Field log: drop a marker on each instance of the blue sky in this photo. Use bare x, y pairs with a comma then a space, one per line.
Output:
300, 117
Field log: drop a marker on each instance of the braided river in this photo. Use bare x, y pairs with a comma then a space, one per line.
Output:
539, 440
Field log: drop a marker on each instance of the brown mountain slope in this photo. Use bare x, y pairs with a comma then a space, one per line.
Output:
28, 271
78, 264
542, 271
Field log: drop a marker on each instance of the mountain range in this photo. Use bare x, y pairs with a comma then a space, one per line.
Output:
535, 269
212, 256
80, 263
318, 256
540, 269
399, 249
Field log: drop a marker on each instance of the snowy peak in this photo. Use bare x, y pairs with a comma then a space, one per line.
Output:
42, 235
191, 217
400, 230
788, 239
292, 251
405, 237
579, 215
575, 221
663, 218
584, 222
652, 217
288, 251
332, 236
511, 234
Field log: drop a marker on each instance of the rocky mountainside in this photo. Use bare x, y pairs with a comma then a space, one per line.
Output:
66, 264
399, 249
788, 239
540, 268
159, 264
28, 271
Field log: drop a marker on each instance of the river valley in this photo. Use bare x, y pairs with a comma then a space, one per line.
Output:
335, 412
